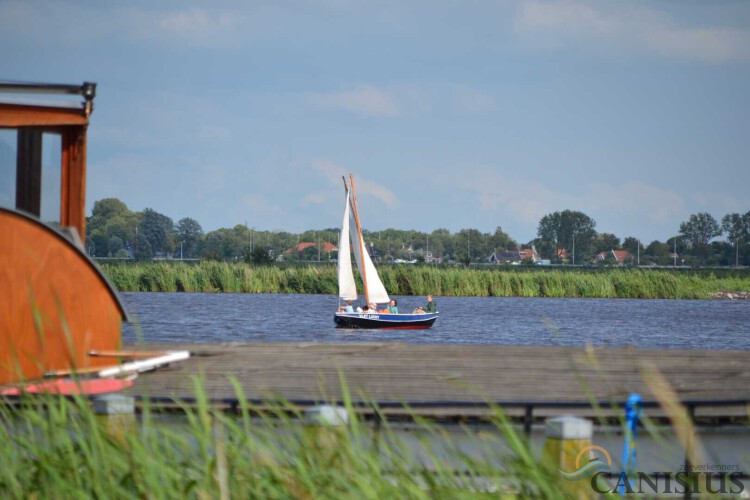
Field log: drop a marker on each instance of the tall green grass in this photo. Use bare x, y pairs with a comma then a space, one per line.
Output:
61, 449
212, 276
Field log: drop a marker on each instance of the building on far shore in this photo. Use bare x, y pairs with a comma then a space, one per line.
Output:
619, 256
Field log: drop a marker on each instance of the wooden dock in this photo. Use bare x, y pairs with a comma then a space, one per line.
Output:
449, 379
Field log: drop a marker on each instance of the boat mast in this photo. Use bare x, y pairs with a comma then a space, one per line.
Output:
359, 235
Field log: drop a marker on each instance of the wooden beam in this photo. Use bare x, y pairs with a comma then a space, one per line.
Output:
24, 115
73, 180
29, 171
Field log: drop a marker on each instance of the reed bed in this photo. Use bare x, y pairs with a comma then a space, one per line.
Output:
211, 276
61, 449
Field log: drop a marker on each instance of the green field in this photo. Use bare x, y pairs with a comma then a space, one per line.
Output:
211, 276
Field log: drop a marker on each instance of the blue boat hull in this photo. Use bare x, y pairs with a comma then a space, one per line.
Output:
384, 321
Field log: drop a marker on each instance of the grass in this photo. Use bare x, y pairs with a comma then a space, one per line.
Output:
212, 276
61, 449
55, 447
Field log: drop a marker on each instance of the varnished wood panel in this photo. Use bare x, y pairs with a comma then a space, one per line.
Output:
73, 180
21, 115
55, 306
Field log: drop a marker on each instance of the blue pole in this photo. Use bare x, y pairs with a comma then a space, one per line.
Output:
629, 450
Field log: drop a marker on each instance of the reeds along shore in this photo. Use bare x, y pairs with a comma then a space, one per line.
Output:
212, 276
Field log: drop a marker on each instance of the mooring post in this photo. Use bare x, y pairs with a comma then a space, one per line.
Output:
325, 432
116, 411
566, 448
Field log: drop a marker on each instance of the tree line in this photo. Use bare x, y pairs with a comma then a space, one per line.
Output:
113, 230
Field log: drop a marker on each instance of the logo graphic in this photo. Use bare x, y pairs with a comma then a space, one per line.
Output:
593, 466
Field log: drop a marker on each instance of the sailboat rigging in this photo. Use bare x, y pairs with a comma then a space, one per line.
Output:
374, 291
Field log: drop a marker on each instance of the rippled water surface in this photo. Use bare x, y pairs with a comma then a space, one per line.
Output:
210, 317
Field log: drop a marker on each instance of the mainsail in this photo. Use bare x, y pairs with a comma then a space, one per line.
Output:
375, 291
347, 287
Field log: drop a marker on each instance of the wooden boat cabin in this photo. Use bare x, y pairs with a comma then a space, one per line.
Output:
55, 304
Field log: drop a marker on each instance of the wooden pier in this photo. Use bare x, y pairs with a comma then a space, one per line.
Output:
455, 381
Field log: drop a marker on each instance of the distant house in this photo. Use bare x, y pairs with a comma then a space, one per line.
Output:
429, 258
300, 248
513, 256
562, 254
620, 256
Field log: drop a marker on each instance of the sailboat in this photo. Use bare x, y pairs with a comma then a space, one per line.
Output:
374, 291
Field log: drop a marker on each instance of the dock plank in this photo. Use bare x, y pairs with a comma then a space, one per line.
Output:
396, 372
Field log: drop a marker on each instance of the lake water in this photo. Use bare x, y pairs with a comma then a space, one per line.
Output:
211, 317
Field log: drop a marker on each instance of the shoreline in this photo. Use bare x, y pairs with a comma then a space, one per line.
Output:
730, 295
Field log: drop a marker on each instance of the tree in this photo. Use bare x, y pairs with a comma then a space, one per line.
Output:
115, 245
189, 233
698, 231
142, 249
104, 210
500, 240
632, 245
606, 242
259, 256
737, 229
660, 253
108, 219
157, 229
467, 246
569, 229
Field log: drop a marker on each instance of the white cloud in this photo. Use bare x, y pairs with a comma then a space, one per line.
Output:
199, 27
382, 193
363, 186
329, 170
365, 100
557, 21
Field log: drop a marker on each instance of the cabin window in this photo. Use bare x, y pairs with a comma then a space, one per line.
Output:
51, 172
8, 168
50, 175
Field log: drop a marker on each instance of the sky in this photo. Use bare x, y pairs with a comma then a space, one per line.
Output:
450, 114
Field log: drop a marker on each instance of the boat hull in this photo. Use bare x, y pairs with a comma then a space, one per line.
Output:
384, 321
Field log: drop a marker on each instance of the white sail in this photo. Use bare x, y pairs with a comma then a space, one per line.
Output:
375, 289
347, 287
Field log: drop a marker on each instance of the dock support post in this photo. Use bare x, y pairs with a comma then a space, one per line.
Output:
326, 426
566, 448
326, 415
116, 411
528, 419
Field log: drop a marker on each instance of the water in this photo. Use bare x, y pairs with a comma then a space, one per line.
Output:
210, 317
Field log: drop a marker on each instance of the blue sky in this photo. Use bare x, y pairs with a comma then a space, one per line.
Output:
450, 114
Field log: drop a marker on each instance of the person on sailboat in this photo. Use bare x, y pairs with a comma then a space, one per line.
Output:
348, 307
431, 307
393, 307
